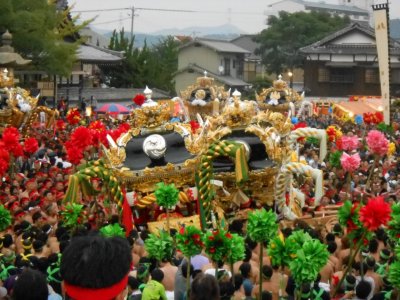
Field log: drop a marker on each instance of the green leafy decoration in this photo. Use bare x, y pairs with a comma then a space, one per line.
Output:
5, 218
160, 246
277, 251
236, 249
384, 128
334, 159
348, 215
394, 274
166, 195
217, 244
295, 242
72, 214
262, 225
312, 140
189, 241
309, 261
112, 230
394, 223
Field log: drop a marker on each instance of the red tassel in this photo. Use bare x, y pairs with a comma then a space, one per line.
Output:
127, 218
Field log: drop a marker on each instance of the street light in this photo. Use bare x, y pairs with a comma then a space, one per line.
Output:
290, 74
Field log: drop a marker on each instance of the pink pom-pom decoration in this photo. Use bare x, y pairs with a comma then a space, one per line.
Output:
350, 163
349, 143
377, 142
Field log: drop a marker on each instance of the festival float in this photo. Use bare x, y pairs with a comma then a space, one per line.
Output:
17, 107
235, 158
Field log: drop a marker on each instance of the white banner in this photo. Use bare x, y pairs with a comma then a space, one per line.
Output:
382, 46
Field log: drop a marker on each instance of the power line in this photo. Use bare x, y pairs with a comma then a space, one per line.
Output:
112, 21
130, 8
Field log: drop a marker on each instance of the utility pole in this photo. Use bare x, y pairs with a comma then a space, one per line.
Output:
132, 20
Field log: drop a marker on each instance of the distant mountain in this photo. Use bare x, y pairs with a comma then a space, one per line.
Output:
223, 32
201, 31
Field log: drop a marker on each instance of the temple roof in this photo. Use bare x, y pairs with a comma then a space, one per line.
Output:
97, 55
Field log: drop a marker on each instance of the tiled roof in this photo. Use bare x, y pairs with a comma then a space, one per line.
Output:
324, 46
218, 45
228, 80
94, 54
321, 5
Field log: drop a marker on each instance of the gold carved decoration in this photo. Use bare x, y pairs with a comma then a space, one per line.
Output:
150, 116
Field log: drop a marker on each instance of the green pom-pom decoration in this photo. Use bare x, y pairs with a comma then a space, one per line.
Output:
5, 218
217, 244
348, 215
334, 159
312, 140
160, 246
384, 128
236, 249
394, 223
72, 214
310, 259
277, 251
189, 240
394, 274
166, 195
112, 230
262, 225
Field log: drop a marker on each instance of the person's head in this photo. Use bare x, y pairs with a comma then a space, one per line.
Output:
237, 281
332, 246
384, 255
184, 267
133, 284
363, 289
370, 262
265, 295
267, 272
157, 275
349, 283
31, 285
204, 287
245, 269
226, 290
95, 267
373, 245
247, 287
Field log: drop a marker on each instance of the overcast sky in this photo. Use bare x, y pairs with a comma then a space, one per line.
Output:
247, 15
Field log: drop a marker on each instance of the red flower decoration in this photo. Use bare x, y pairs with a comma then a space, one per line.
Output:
60, 125
124, 127
139, 99
74, 116
194, 126
74, 155
31, 145
81, 137
375, 213
11, 141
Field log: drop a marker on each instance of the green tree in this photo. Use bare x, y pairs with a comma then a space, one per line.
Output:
281, 41
42, 34
153, 66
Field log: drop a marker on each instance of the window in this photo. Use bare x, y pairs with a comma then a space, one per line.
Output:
227, 66
395, 76
323, 74
342, 75
371, 76
234, 64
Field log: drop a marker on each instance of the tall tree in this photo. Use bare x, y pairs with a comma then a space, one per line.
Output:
40, 33
286, 34
153, 66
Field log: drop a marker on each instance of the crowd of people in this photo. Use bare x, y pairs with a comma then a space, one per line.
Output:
43, 258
